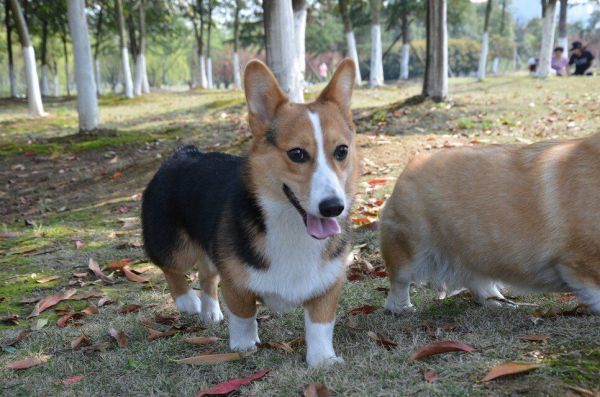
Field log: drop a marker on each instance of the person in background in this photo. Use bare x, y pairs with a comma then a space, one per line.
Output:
532, 64
323, 71
581, 58
559, 62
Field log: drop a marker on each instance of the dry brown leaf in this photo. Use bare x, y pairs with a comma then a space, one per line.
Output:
64, 319
131, 276
154, 334
366, 309
131, 308
202, 340
167, 319
506, 369
382, 340
444, 346
81, 340
28, 362
93, 293
104, 300
94, 267
232, 385
585, 392
73, 379
120, 337
535, 338
212, 358
50, 301
97, 347
22, 335
80, 275
118, 265
316, 390
12, 319
429, 375
46, 279
276, 345
91, 309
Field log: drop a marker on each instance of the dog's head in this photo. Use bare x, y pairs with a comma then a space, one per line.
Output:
304, 154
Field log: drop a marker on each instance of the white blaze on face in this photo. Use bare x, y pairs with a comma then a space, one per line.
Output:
325, 183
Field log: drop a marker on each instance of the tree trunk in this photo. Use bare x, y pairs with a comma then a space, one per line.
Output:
56, 81
203, 75
547, 40
562, 26
141, 76
502, 26
237, 78
280, 43
350, 40
300, 12
87, 102
11, 65
44, 58
127, 81
435, 84
485, 43
97, 75
36, 108
404, 60
200, 44
209, 74
376, 72
66, 55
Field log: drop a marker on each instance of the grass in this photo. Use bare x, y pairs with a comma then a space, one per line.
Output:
59, 188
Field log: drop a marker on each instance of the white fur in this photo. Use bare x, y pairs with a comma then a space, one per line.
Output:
243, 332
319, 343
324, 183
297, 272
189, 303
211, 312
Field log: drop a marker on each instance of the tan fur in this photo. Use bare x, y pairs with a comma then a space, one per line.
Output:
322, 308
527, 216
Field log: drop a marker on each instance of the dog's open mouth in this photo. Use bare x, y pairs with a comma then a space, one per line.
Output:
316, 226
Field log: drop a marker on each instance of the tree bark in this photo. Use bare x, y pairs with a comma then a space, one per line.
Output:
127, 80
97, 75
209, 73
376, 72
548, 26
502, 28
350, 40
11, 65
44, 58
141, 76
404, 60
237, 78
56, 83
485, 43
280, 44
562, 26
87, 102
36, 108
435, 84
66, 55
300, 12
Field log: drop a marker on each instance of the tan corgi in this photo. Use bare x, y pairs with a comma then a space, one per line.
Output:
271, 225
477, 217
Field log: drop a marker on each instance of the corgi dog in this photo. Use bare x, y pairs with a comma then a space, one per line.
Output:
271, 226
527, 217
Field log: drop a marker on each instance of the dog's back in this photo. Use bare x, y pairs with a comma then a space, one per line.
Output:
528, 216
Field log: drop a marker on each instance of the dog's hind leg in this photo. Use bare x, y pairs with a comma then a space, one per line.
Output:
185, 298
583, 277
398, 266
209, 282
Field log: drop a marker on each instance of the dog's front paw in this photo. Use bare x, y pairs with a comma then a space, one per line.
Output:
323, 361
188, 303
396, 308
211, 312
243, 345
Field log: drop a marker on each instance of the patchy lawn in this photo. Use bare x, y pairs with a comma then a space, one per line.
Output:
65, 199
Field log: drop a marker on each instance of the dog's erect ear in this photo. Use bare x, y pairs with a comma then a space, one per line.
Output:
263, 96
339, 89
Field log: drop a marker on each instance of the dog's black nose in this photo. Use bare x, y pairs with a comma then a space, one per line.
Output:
331, 207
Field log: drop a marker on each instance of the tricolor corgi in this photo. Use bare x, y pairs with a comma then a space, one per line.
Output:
271, 226
479, 217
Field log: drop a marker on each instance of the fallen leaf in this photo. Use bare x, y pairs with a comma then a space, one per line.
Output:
73, 379
39, 324
366, 309
22, 335
506, 369
78, 244
104, 300
232, 385
50, 301
167, 319
374, 182
444, 346
12, 319
569, 296
585, 392
120, 337
80, 275
118, 265
361, 221
93, 293
535, 338
429, 375
97, 347
276, 345
554, 312
316, 390
81, 340
382, 340
91, 309
64, 319
46, 279
116, 175
213, 358
131, 308
131, 276
202, 340
154, 334
28, 362
94, 267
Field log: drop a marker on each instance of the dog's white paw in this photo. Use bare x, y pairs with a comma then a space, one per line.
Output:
396, 308
188, 303
211, 312
243, 333
319, 361
243, 345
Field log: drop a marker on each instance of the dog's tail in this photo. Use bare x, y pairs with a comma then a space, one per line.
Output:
187, 150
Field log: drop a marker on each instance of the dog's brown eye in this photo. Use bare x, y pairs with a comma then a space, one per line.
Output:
340, 152
298, 155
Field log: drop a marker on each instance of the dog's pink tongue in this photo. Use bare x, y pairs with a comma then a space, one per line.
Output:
322, 228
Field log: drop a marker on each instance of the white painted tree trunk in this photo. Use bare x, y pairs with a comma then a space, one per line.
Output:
547, 40
56, 84
353, 54
564, 43
209, 73
44, 83
139, 75
203, 78
87, 102
281, 47
496, 65
97, 76
127, 81
404, 61
435, 84
145, 84
12, 77
376, 74
300, 35
237, 77
36, 108
483, 55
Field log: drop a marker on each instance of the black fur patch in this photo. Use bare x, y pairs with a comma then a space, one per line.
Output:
270, 137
